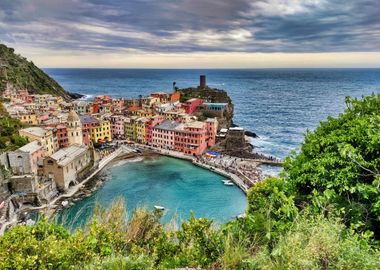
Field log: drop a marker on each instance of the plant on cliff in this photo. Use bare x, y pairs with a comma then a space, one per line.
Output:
338, 169
9, 138
21, 73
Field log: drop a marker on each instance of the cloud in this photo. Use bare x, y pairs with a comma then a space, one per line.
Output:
184, 26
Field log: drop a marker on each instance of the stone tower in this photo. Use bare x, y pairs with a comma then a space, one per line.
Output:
74, 129
202, 81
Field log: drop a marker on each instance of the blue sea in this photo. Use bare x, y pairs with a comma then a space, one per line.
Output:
279, 105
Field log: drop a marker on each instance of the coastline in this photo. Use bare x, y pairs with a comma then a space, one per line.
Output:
125, 153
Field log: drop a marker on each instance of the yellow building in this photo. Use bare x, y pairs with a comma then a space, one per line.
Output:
44, 135
101, 132
140, 129
130, 128
143, 113
29, 119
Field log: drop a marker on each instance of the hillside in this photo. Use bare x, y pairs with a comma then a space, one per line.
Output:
21, 73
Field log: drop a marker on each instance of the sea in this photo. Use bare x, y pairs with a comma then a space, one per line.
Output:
279, 105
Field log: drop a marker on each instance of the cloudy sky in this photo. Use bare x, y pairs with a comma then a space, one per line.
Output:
194, 33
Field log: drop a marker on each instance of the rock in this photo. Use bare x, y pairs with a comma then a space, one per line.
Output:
250, 134
65, 203
30, 222
75, 95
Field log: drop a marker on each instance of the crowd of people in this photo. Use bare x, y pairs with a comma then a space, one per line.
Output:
245, 168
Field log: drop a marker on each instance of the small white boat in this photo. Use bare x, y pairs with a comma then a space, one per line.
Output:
229, 183
159, 207
226, 180
65, 203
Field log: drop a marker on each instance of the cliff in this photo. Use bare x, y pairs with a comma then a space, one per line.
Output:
211, 95
16, 71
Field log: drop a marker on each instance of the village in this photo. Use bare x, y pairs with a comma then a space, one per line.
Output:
68, 140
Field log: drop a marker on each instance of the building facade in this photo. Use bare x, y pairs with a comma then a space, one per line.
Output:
64, 166
45, 136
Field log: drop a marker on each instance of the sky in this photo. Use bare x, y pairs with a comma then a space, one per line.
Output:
193, 33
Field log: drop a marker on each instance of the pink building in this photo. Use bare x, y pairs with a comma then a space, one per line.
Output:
163, 134
117, 126
61, 133
118, 105
150, 124
191, 137
63, 140
212, 129
87, 123
103, 99
192, 104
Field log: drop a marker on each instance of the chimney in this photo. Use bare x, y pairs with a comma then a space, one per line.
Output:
202, 82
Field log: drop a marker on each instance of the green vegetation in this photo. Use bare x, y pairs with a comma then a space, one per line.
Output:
9, 138
212, 95
321, 213
21, 73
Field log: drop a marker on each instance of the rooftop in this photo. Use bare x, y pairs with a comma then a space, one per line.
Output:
215, 104
36, 131
194, 124
168, 125
193, 99
212, 120
236, 129
66, 155
30, 147
87, 119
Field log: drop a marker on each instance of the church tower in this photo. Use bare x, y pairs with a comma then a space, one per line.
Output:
74, 129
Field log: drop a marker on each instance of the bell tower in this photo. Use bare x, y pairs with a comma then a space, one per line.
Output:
74, 129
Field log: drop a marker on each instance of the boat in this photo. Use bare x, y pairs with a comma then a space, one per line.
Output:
159, 207
243, 215
65, 203
226, 181
229, 183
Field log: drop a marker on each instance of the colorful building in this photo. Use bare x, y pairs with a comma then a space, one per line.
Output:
130, 127
28, 119
81, 107
163, 134
150, 124
212, 130
192, 104
190, 138
88, 123
175, 96
141, 129
62, 138
102, 132
117, 126
44, 135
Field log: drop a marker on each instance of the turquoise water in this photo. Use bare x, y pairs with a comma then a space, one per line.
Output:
175, 184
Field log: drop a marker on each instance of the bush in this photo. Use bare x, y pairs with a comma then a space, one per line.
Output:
317, 243
338, 168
